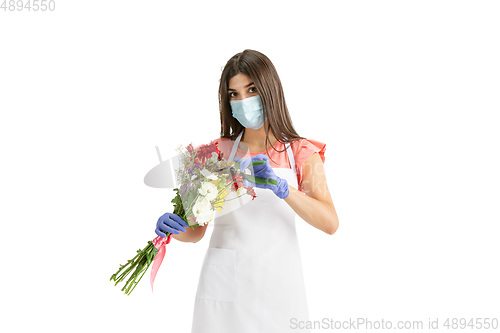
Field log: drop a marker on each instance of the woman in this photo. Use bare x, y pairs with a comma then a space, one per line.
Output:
251, 279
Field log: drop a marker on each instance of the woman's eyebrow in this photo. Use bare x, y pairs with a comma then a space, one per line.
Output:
248, 85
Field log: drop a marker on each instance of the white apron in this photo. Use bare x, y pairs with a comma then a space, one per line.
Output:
251, 280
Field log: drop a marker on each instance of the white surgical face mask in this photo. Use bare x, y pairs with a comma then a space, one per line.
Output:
248, 112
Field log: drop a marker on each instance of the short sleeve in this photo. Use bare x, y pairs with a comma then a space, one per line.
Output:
302, 149
225, 146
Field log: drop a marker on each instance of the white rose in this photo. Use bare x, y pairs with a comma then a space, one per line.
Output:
209, 191
208, 174
202, 209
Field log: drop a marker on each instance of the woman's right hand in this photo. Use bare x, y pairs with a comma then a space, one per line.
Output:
170, 222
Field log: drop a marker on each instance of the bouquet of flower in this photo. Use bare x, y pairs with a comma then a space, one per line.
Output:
206, 179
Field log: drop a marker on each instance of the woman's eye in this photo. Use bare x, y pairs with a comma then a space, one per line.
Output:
250, 90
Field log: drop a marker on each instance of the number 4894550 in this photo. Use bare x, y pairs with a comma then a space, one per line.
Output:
28, 5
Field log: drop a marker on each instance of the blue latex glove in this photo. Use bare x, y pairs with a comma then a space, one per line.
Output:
172, 223
263, 171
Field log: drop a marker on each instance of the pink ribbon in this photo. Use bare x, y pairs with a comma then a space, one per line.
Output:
159, 243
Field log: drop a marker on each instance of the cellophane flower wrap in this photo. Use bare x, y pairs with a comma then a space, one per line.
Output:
206, 179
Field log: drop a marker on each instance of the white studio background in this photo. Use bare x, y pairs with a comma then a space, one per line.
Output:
404, 94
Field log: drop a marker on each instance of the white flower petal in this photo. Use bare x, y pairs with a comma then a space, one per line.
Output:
202, 210
214, 157
208, 190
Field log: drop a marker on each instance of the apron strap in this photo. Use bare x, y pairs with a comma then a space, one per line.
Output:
235, 146
288, 150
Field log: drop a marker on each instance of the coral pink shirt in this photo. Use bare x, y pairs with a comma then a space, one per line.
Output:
302, 149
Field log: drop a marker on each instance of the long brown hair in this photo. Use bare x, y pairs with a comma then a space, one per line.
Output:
265, 77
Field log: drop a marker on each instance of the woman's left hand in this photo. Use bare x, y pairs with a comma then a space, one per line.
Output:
263, 171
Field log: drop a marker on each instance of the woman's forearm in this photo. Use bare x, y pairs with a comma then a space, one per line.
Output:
191, 235
319, 214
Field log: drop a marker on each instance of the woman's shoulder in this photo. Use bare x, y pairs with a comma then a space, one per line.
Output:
303, 148
225, 146
224, 142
